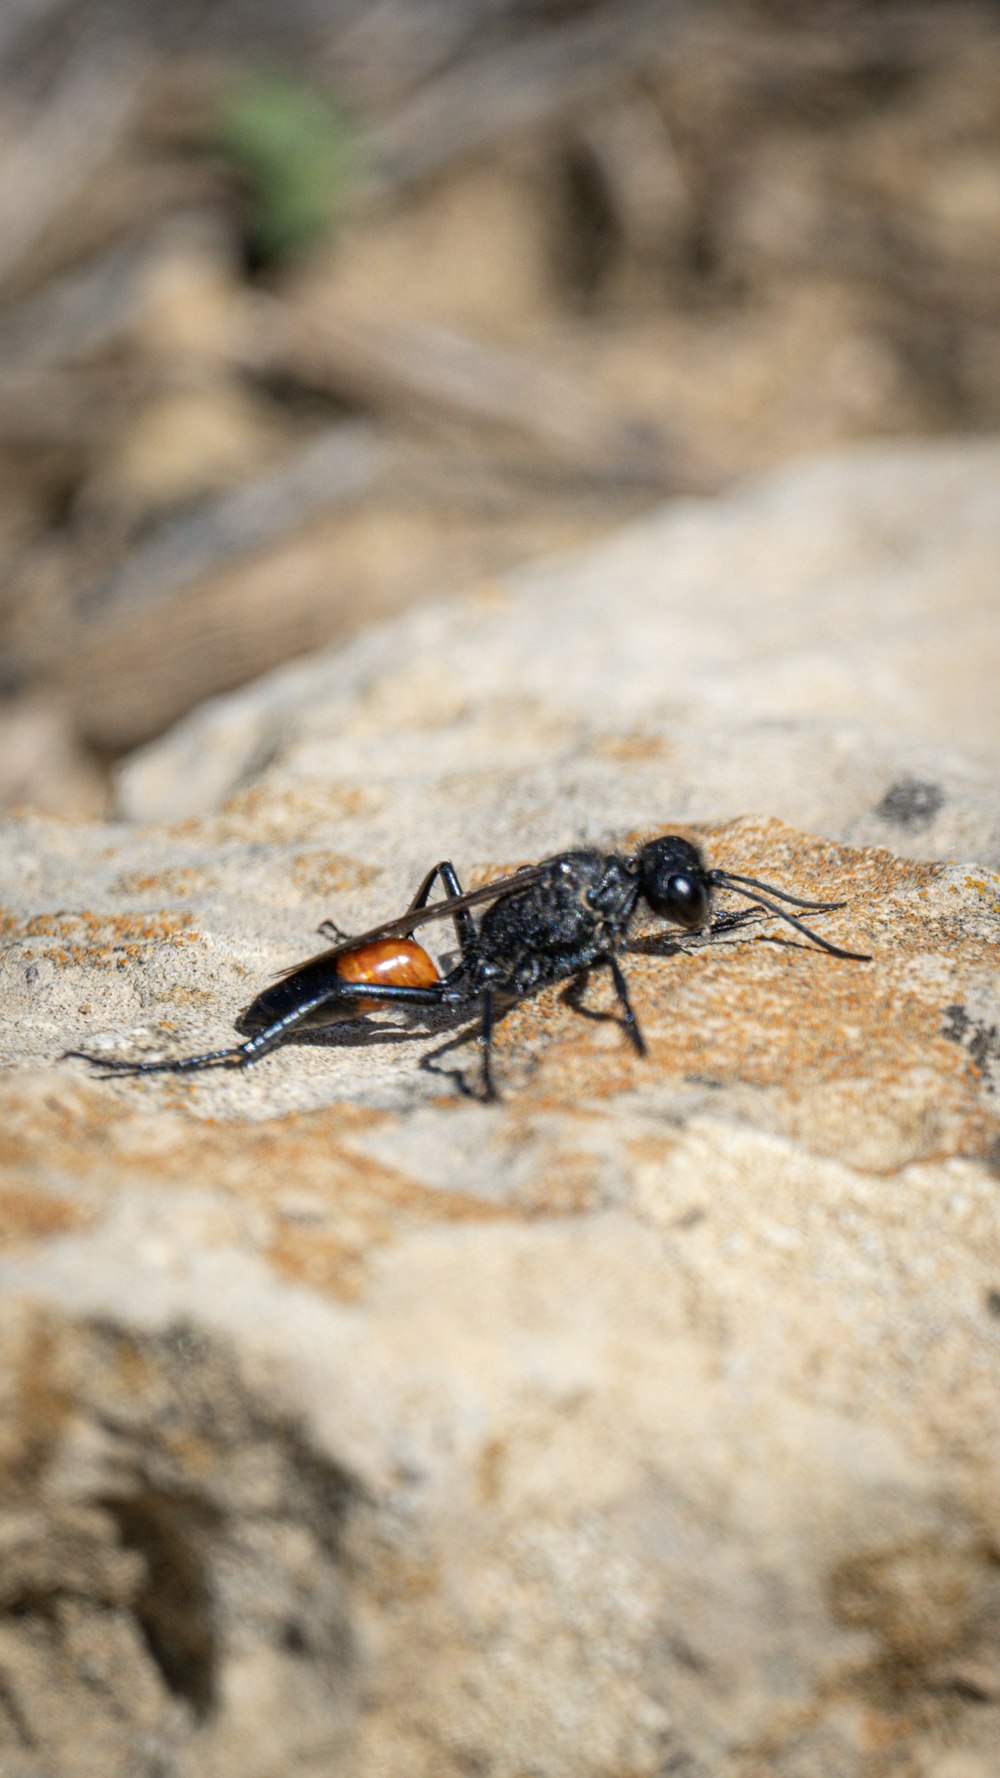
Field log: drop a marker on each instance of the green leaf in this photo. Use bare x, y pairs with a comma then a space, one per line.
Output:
293, 149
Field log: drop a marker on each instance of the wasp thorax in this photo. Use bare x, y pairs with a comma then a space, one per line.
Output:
674, 881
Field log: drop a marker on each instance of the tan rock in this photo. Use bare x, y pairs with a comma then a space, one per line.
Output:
643, 1423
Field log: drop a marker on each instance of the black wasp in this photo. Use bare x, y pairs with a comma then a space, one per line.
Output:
546, 923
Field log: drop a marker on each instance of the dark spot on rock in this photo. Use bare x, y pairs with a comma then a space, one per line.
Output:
981, 1041
912, 803
689, 1219
956, 1023
993, 1303
184, 1343
474, 1765
293, 1638
174, 1606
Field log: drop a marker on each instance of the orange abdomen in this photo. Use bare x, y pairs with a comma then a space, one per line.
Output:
392, 962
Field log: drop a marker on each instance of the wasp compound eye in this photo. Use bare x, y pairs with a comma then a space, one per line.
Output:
674, 881
686, 901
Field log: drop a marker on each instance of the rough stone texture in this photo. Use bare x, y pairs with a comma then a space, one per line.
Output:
643, 1424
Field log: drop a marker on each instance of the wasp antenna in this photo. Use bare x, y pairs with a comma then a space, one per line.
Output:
725, 877
800, 925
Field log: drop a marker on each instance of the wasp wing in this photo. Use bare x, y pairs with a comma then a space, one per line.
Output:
406, 923
454, 904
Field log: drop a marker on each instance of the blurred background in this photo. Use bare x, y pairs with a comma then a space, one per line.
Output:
311, 312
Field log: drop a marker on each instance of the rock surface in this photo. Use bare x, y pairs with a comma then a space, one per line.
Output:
644, 1423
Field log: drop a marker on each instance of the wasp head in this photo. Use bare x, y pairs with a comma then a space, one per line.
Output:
674, 881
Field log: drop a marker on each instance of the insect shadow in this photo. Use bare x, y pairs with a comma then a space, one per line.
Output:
555, 921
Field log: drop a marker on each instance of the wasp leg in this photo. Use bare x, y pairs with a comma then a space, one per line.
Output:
449, 877
464, 924
621, 989
657, 945
238, 1056
486, 1039
577, 987
330, 929
241, 1055
113, 1066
